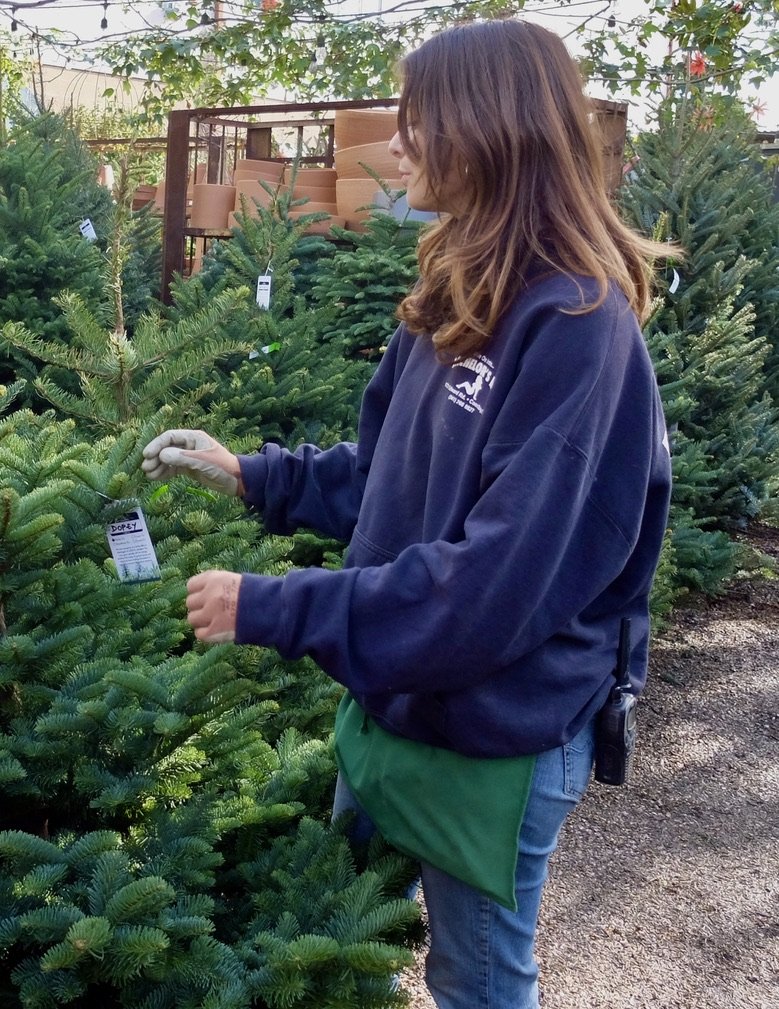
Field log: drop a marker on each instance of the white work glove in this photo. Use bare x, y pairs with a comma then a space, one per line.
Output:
194, 454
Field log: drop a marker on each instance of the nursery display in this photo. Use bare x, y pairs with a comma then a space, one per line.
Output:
165, 835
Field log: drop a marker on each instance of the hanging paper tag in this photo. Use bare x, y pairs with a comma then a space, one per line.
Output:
87, 229
673, 287
132, 548
263, 290
267, 349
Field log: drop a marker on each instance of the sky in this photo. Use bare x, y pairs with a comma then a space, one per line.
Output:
80, 19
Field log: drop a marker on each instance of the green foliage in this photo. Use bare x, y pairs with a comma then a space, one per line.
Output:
46, 190
366, 281
235, 59
121, 379
738, 43
163, 805
322, 944
712, 339
292, 386
700, 166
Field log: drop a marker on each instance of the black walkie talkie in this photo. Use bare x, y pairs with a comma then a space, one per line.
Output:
615, 733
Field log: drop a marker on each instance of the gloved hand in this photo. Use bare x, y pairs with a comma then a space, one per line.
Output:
194, 454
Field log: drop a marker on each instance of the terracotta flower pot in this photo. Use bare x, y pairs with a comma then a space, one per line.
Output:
254, 192
246, 173
196, 264
267, 169
319, 194
354, 127
143, 195
354, 195
321, 177
315, 208
319, 227
350, 163
210, 205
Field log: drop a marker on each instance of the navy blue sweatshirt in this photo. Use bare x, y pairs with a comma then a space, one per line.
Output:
503, 512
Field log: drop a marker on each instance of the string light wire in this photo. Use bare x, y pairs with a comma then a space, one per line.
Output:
60, 41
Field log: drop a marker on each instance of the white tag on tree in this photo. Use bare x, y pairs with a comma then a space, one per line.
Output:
673, 287
263, 290
87, 229
132, 548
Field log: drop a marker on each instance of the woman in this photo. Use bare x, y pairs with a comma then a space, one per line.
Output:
505, 503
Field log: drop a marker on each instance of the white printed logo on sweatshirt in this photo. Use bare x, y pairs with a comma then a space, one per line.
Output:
473, 385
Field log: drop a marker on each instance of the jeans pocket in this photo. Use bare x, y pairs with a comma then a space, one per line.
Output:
578, 756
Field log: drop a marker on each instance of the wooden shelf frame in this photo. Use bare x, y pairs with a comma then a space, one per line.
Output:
193, 130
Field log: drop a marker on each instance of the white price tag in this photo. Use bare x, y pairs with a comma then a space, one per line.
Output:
132, 548
673, 287
87, 229
267, 349
263, 290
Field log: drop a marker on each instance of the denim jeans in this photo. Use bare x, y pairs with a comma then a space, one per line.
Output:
481, 954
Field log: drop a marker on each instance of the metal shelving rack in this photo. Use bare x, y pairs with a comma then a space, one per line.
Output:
216, 137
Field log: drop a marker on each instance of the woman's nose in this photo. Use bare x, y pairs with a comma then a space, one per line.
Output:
395, 147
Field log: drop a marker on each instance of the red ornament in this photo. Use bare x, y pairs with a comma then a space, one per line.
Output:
270, 5
697, 65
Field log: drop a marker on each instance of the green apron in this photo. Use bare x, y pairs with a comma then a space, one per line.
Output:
459, 814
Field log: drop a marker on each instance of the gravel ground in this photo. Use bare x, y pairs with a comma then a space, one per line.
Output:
665, 894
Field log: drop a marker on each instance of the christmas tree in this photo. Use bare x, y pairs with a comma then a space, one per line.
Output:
292, 386
699, 183
365, 282
163, 829
56, 229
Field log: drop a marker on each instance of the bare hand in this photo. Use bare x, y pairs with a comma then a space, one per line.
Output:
212, 605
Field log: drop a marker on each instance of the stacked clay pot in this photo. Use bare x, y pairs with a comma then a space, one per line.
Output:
362, 139
143, 194
256, 184
345, 192
199, 177
354, 127
317, 187
211, 206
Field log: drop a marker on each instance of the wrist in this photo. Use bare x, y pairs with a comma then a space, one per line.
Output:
234, 469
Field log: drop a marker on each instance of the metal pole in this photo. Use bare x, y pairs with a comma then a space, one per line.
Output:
175, 212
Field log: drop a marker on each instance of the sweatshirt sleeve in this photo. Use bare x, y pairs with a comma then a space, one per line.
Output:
555, 525
320, 489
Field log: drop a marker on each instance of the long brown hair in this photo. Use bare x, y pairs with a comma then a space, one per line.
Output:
504, 100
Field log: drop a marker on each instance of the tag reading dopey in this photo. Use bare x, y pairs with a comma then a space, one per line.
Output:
263, 290
132, 548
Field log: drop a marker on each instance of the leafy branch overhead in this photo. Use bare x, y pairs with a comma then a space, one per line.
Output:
314, 47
